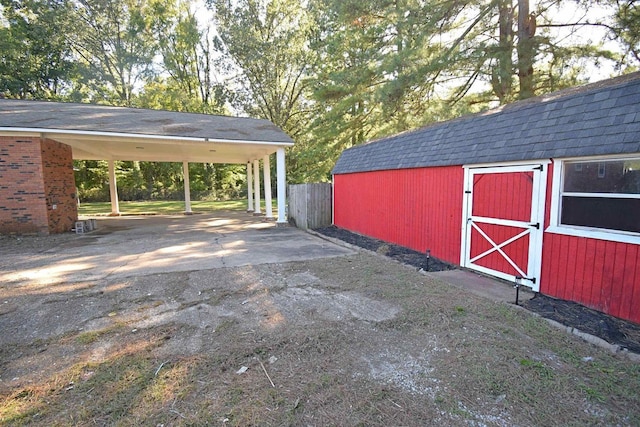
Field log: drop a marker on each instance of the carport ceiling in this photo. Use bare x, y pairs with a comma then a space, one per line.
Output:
98, 132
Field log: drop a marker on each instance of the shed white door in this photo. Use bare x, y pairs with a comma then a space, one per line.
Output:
503, 221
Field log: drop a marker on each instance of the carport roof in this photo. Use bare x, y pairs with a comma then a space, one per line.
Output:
97, 132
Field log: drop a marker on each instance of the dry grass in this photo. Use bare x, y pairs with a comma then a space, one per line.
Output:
355, 340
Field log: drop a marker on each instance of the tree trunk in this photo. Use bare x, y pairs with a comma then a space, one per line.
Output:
526, 30
502, 74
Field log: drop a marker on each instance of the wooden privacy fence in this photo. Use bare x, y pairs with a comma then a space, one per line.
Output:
310, 205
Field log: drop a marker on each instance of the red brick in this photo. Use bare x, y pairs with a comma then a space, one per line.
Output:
35, 176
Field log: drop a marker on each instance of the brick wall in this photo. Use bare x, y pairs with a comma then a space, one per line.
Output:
59, 186
35, 175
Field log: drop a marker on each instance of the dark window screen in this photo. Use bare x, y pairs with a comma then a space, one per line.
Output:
609, 213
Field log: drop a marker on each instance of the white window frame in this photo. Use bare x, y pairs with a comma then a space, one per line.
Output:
556, 227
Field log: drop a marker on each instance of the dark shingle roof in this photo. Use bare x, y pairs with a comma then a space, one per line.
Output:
597, 119
100, 118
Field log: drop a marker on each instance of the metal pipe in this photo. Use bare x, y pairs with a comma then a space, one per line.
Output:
428, 258
517, 286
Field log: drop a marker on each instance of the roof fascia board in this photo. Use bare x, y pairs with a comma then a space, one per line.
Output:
40, 131
505, 163
5, 132
599, 157
151, 141
170, 159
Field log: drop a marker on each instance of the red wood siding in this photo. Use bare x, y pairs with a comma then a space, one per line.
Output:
596, 273
503, 195
517, 251
416, 208
599, 274
422, 209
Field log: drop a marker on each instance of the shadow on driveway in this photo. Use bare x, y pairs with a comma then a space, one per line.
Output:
140, 245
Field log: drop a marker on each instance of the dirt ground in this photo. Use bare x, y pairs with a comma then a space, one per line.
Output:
343, 341
613, 330
404, 255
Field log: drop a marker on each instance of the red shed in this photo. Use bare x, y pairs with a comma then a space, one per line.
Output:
546, 189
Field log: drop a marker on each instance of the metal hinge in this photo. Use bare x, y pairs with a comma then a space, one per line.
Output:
540, 168
536, 225
467, 192
532, 279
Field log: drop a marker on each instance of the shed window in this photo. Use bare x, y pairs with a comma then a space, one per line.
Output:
601, 194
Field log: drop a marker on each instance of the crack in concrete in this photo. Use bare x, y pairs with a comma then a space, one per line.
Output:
222, 257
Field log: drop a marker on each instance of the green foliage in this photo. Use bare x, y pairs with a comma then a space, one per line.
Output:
627, 30
35, 61
138, 181
191, 59
330, 73
267, 44
92, 180
378, 67
115, 42
267, 41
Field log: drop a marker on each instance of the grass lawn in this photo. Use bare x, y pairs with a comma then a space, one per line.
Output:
160, 207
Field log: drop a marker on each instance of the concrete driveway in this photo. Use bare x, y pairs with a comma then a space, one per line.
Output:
139, 245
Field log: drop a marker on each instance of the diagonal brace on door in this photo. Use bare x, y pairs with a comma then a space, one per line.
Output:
499, 247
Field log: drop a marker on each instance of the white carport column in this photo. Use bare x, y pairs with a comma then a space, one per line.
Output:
249, 188
256, 186
113, 189
282, 186
267, 187
187, 189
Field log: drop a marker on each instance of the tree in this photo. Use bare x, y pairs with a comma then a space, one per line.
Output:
35, 60
115, 41
525, 48
378, 69
268, 42
191, 57
390, 65
92, 180
627, 29
346, 75
534, 53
